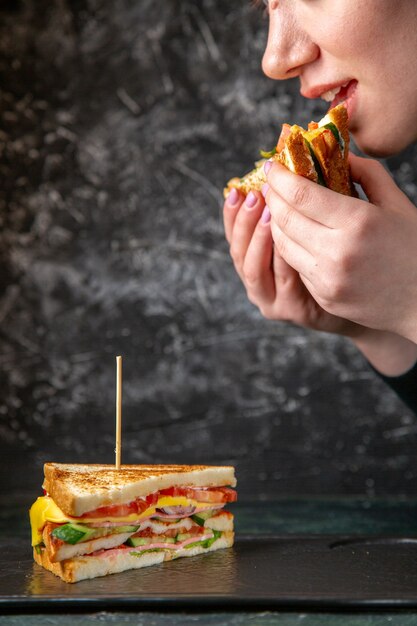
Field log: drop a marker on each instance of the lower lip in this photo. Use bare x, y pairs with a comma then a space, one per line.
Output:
346, 96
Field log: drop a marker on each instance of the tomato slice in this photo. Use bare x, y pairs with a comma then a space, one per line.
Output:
122, 510
229, 494
216, 495
286, 130
175, 492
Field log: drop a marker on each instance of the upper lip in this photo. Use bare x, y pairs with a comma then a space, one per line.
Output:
318, 90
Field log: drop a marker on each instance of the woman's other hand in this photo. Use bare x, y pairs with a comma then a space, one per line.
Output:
357, 259
279, 293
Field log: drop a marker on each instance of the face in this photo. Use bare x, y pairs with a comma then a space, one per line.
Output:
363, 52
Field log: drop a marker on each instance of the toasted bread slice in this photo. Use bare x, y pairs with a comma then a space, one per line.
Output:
77, 489
83, 567
330, 143
296, 156
60, 551
339, 117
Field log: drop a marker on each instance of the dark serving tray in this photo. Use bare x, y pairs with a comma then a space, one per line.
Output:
289, 571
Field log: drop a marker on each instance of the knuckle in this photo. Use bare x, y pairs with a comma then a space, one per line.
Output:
286, 219
336, 287
236, 255
301, 194
280, 246
250, 277
375, 165
325, 297
251, 297
255, 299
365, 226
347, 264
350, 256
267, 312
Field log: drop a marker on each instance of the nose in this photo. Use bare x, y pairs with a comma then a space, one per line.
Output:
289, 49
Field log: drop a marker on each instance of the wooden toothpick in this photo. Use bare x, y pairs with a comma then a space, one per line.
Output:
118, 412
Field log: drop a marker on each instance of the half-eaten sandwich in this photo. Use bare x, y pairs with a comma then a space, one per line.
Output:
95, 520
320, 154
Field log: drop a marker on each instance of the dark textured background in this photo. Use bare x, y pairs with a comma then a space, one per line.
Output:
120, 122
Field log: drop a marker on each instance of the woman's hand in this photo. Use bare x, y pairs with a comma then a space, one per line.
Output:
357, 259
280, 294
271, 284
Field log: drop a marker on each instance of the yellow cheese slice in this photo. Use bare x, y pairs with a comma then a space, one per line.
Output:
45, 510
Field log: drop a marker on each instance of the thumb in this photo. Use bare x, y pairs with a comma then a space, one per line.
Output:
373, 178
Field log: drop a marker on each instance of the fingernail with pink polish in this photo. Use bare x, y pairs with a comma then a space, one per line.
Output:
267, 166
265, 189
266, 216
250, 200
233, 197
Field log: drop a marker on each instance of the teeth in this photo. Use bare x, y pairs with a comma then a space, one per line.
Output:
330, 95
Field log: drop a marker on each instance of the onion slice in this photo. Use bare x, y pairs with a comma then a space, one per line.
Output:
179, 511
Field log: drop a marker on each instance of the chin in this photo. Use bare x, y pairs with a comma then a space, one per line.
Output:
383, 145
377, 152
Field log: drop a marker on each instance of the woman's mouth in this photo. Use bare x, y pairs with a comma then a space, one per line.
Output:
344, 93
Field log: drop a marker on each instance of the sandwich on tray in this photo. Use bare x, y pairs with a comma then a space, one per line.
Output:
96, 520
320, 154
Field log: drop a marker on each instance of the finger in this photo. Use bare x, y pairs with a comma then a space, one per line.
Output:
290, 292
257, 268
230, 209
374, 179
284, 274
243, 228
295, 255
290, 303
301, 229
312, 200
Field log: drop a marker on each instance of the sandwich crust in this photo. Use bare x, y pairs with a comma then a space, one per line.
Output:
81, 568
78, 489
333, 165
333, 156
339, 117
293, 151
296, 156
252, 181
